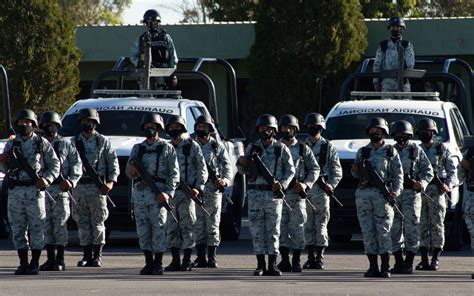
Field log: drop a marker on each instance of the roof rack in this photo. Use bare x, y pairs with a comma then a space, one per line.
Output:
426, 95
172, 94
6, 102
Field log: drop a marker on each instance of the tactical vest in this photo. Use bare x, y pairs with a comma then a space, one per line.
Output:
276, 151
39, 150
99, 144
158, 150
159, 47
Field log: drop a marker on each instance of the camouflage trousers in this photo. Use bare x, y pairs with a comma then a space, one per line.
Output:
406, 232
150, 220
292, 223
181, 235
469, 215
264, 217
55, 228
26, 213
391, 85
316, 228
90, 213
375, 218
207, 228
432, 218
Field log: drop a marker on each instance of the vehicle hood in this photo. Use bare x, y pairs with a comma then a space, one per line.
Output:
348, 148
123, 145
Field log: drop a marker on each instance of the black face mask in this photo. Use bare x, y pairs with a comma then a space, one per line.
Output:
314, 130
51, 131
202, 134
174, 134
150, 133
265, 135
87, 127
424, 137
153, 26
286, 135
375, 137
401, 140
396, 33
24, 130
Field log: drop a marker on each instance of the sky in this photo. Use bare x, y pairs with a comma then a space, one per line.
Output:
134, 13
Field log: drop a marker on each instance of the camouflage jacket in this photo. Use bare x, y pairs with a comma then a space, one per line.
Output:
415, 163
69, 159
332, 169
192, 168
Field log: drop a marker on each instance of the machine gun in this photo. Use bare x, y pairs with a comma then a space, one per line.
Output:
322, 184
213, 178
189, 192
148, 179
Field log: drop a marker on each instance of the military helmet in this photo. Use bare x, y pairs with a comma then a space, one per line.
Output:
378, 122
402, 126
152, 118
205, 119
267, 120
315, 119
26, 114
175, 119
49, 116
89, 113
290, 120
151, 14
427, 124
396, 21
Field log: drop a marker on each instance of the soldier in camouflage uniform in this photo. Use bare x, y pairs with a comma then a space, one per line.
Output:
468, 198
264, 210
374, 211
160, 160
387, 57
307, 172
57, 212
193, 172
26, 198
433, 211
418, 173
218, 163
316, 229
91, 211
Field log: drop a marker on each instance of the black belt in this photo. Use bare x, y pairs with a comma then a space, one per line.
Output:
12, 183
264, 187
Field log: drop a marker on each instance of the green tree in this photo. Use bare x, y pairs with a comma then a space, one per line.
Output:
39, 52
446, 8
95, 12
417, 8
386, 9
231, 10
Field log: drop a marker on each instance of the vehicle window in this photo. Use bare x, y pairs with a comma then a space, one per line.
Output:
462, 123
192, 113
354, 126
458, 135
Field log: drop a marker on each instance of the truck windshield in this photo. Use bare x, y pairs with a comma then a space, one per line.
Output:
354, 126
112, 123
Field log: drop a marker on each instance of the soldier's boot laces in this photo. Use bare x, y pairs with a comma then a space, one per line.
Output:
33, 268
373, 270
320, 257
261, 265
86, 260
272, 266
424, 264
175, 264
295, 261
158, 264
200, 260
398, 266
23, 256
385, 265
211, 257
186, 264
59, 264
408, 265
97, 261
148, 268
311, 262
284, 265
435, 259
51, 258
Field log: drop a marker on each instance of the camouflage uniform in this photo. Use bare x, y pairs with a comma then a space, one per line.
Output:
469, 215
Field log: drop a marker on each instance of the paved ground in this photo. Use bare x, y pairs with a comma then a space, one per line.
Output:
122, 261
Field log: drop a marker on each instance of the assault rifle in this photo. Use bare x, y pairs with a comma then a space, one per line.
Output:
439, 184
322, 184
189, 192
213, 178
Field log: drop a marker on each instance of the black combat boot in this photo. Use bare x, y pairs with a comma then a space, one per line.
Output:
295, 261
175, 264
385, 265
59, 265
200, 260
272, 266
398, 266
261, 265
97, 261
148, 268
319, 257
23, 268
435, 259
424, 264
373, 270
285, 265
33, 268
86, 260
49, 264
311, 263
158, 264
186, 264
408, 265
211, 257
